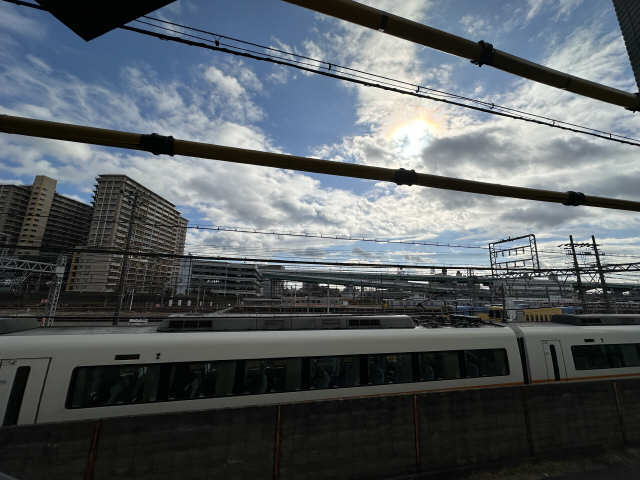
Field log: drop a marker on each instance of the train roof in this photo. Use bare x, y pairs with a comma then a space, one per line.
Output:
97, 344
553, 330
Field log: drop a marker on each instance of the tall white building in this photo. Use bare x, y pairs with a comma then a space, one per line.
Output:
156, 226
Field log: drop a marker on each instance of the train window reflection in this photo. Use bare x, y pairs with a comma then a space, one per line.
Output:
271, 375
114, 385
486, 363
100, 386
334, 372
594, 357
389, 368
447, 365
439, 366
200, 380
630, 354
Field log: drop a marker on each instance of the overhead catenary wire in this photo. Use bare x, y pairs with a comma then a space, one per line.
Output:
249, 230
364, 79
491, 109
133, 253
330, 237
608, 269
330, 65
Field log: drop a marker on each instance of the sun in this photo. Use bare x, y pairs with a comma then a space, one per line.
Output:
415, 128
412, 137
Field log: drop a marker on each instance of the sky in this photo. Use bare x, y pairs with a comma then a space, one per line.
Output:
130, 82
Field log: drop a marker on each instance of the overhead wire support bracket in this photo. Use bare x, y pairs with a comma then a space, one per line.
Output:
574, 199
405, 177
130, 140
486, 54
157, 144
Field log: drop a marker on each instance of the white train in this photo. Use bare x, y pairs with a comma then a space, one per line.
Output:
52, 375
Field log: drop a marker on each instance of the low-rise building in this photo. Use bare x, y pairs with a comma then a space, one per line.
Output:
219, 278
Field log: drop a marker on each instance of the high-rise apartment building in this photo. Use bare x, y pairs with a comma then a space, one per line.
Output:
127, 213
36, 216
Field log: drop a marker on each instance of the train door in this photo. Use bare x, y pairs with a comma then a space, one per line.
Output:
21, 384
554, 360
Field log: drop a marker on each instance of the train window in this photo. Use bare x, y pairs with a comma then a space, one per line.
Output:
486, 363
439, 366
334, 372
271, 375
593, 357
113, 385
389, 368
631, 354
200, 380
589, 357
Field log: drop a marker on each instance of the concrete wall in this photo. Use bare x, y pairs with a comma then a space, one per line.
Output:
361, 438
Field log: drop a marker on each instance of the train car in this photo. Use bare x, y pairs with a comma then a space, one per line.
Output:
556, 352
62, 374
51, 375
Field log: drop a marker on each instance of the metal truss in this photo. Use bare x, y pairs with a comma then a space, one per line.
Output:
12, 263
514, 257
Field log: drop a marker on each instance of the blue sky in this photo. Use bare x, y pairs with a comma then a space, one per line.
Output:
126, 81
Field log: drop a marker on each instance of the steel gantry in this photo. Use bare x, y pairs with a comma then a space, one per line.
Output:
13, 263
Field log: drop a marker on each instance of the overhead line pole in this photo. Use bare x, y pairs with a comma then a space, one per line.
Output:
159, 144
605, 295
577, 270
125, 261
480, 53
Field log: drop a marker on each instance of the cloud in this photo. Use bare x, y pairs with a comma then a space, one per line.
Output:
480, 147
223, 103
544, 216
12, 20
475, 25
563, 7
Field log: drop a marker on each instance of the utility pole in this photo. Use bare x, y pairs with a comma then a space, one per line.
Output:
328, 297
577, 270
125, 261
603, 283
54, 290
504, 298
471, 281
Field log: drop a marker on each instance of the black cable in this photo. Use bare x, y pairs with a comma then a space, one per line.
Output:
337, 66
221, 228
320, 62
553, 123
492, 110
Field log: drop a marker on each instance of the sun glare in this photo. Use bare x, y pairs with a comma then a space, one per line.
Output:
412, 137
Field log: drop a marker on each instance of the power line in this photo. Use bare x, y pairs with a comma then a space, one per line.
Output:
332, 65
323, 236
106, 251
610, 268
334, 237
487, 107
